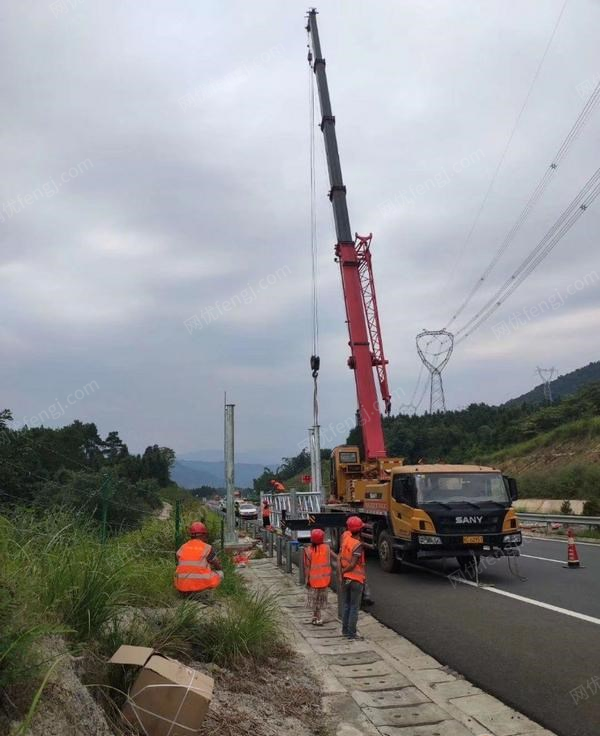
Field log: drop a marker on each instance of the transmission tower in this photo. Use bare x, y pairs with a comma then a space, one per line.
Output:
547, 375
435, 348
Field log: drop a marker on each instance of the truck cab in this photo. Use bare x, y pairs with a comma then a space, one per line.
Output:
461, 511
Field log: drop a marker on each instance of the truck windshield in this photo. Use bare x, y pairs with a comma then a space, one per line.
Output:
456, 487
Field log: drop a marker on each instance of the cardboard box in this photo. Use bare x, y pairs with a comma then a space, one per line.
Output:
167, 698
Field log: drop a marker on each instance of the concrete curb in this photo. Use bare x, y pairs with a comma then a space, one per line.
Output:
385, 684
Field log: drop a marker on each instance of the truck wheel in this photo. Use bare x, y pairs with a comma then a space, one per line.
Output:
385, 549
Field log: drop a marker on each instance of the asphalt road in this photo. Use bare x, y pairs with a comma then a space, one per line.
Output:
533, 654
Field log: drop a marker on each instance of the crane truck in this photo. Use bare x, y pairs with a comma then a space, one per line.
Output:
411, 511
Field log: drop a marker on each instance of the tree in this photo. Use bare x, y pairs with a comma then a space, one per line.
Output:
156, 462
113, 447
566, 507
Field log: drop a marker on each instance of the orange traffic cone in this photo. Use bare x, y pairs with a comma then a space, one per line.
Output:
572, 554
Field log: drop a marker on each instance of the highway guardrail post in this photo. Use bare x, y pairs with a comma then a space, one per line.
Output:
301, 572
271, 544
288, 557
279, 550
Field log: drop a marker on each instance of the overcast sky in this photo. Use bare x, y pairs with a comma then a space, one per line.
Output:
155, 167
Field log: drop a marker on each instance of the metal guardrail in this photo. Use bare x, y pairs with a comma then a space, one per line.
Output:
559, 519
289, 554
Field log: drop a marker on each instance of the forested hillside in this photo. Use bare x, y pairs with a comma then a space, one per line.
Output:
73, 466
562, 386
479, 430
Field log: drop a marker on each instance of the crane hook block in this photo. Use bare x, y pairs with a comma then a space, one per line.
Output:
315, 364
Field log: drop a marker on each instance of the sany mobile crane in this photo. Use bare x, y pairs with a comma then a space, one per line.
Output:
410, 512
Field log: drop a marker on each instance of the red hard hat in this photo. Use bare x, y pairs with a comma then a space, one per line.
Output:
354, 524
197, 527
317, 536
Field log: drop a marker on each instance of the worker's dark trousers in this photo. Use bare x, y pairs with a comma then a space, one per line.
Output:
352, 594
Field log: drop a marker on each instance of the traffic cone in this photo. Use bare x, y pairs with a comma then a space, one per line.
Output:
572, 554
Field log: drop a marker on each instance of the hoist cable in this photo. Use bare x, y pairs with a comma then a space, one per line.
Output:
315, 361
313, 214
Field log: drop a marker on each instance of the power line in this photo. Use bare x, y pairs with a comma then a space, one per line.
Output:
510, 138
563, 224
535, 196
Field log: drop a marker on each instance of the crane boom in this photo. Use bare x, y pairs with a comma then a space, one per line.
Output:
354, 257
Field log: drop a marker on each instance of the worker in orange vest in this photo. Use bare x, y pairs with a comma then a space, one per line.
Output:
367, 599
277, 486
198, 567
266, 514
353, 574
317, 571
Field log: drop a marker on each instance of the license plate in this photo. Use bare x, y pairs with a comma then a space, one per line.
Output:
473, 540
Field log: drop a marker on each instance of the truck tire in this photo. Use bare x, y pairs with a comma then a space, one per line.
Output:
387, 556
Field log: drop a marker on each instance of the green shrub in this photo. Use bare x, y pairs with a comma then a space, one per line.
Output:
566, 508
246, 627
84, 589
232, 585
591, 508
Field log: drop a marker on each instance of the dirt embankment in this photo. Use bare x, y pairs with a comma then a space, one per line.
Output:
585, 451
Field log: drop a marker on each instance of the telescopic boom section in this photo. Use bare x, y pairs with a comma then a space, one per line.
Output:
354, 258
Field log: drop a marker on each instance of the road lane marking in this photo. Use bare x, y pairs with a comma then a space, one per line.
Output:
562, 541
547, 559
514, 596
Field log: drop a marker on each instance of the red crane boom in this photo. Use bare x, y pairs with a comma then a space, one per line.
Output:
354, 257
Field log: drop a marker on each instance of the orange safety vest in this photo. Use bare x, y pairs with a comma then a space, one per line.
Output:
358, 573
266, 510
193, 573
318, 564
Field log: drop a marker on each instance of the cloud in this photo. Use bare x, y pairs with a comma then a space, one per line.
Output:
184, 208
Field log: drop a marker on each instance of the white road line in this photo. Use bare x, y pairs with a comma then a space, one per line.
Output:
562, 541
547, 559
514, 596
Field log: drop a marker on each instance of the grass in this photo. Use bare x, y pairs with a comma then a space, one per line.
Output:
580, 429
57, 577
245, 628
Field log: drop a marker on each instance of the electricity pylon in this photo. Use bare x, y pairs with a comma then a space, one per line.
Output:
547, 375
435, 360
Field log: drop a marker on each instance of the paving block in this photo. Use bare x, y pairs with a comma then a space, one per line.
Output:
456, 689
422, 662
438, 675
357, 658
410, 715
475, 705
313, 632
402, 649
361, 670
377, 683
445, 728
508, 722
349, 647
390, 698
377, 632
328, 641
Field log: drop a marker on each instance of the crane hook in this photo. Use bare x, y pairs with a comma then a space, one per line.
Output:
315, 364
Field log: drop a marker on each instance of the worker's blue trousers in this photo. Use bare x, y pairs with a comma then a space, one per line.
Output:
351, 596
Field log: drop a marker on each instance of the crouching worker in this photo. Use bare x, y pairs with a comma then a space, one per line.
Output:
198, 567
317, 571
